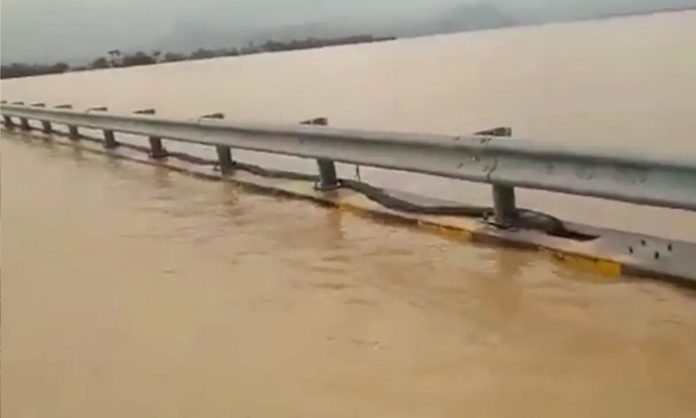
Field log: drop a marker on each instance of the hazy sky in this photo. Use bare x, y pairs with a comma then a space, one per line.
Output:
58, 28
49, 30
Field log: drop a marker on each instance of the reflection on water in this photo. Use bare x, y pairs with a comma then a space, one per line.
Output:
133, 291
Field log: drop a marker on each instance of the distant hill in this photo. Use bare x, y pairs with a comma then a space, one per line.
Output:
86, 31
462, 17
459, 18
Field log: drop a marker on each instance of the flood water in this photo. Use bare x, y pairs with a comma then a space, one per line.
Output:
129, 290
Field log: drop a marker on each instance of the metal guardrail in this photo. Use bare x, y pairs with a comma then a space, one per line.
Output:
504, 163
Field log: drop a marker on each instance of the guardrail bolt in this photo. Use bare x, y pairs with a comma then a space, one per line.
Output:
224, 153
328, 180
157, 150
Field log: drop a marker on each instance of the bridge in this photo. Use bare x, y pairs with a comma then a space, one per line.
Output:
491, 157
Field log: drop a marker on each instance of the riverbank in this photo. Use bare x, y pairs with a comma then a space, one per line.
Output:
116, 59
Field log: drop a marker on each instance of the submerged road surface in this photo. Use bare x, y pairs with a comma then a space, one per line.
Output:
129, 290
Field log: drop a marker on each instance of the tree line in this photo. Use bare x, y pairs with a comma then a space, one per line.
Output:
116, 59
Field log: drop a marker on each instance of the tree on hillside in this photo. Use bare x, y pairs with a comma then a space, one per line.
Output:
57, 68
27, 70
173, 57
115, 55
202, 53
100, 62
139, 58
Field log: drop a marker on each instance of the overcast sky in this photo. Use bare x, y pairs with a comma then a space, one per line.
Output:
49, 30
56, 28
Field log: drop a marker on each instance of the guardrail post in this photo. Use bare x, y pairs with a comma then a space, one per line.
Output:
327, 175
504, 207
224, 153
11, 122
109, 136
157, 151
23, 122
225, 158
328, 180
47, 128
73, 133
109, 139
7, 121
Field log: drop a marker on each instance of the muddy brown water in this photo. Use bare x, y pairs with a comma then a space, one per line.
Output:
129, 290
